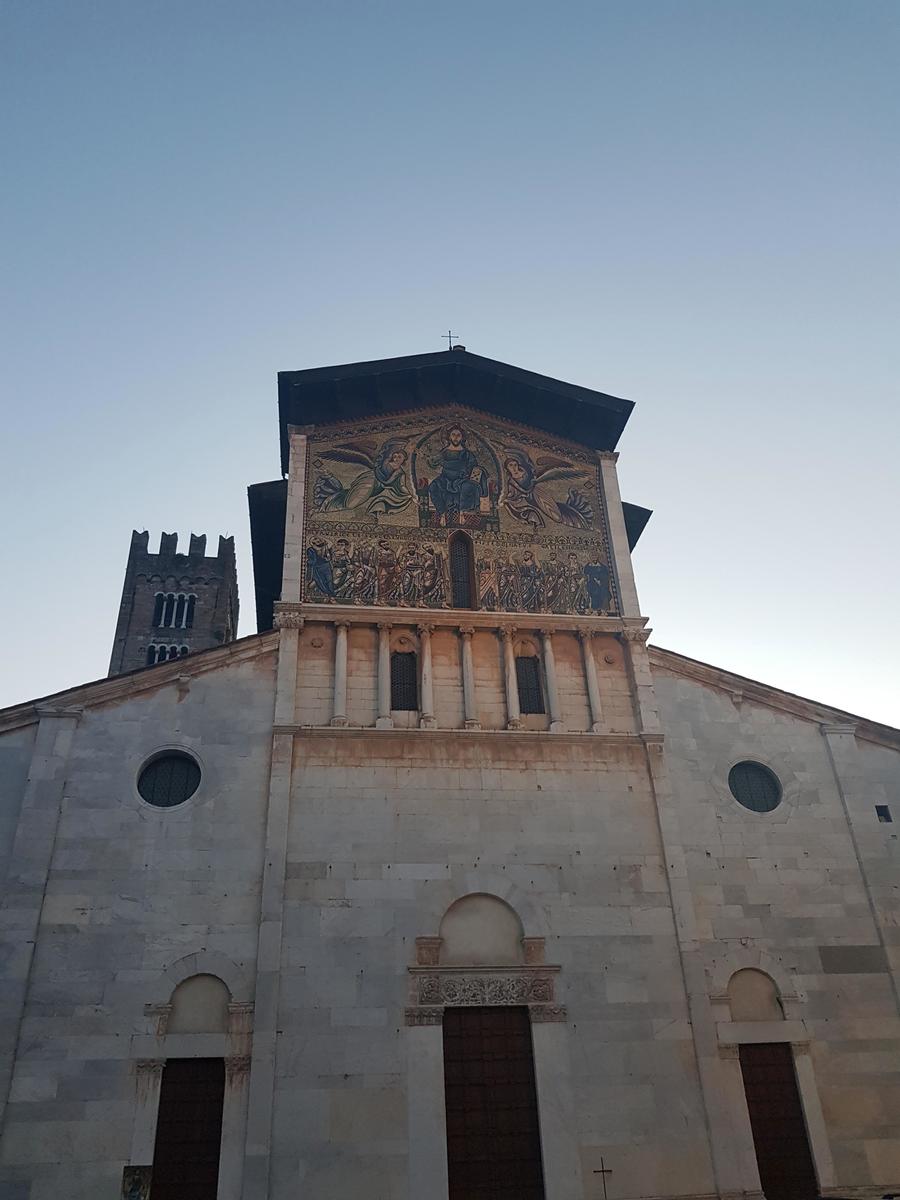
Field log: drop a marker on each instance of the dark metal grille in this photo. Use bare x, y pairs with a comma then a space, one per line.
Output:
189, 1130
786, 1168
169, 780
462, 572
404, 682
528, 678
754, 786
493, 1136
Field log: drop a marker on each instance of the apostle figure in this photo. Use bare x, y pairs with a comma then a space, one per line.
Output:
532, 580
318, 568
596, 575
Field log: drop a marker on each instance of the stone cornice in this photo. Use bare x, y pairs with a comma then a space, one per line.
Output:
453, 618
752, 691
120, 687
586, 738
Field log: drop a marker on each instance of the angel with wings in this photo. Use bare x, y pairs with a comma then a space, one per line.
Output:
380, 487
527, 497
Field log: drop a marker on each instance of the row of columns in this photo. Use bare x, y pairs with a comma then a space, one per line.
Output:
426, 681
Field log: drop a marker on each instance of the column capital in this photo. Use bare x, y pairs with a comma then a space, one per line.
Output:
388, 625
466, 631
425, 630
608, 455
508, 632
585, 634
288, 620
635, 635
342, 624
546, 633
838, 729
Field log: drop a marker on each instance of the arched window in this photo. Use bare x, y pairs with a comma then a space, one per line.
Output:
199, 1005
528, 680
481, 930
182, 651
180, 604
169, 610
159, 601
151, 656
189, 616
753, 996
173, 652
404, 682
462, 571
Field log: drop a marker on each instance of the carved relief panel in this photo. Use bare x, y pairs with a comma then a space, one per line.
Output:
384, 498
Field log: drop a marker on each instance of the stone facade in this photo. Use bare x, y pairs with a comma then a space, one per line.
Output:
316, 871
174, 604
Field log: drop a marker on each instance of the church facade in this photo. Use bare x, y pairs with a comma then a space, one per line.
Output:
445, 884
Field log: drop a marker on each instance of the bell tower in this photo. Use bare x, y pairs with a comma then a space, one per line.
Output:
174, 604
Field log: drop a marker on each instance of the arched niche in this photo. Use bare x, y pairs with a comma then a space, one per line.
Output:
753, 996
199, 1005
481, 930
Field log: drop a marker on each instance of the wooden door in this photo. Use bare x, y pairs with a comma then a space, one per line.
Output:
493, 1137
786, 1168
189, 1130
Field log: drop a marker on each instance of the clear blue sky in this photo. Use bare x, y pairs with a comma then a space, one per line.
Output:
690, 204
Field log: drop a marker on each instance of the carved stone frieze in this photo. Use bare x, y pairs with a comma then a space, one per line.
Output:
460, 988
236, 1066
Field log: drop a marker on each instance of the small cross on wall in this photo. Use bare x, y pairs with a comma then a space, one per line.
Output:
603, 1172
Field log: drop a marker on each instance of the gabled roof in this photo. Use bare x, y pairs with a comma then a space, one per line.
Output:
356, 390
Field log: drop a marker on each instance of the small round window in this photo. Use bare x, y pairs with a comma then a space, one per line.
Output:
169, 779
754, 786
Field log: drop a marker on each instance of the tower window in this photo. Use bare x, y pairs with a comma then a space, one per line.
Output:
754, 786
189, 615
462, 571
180, 604
528, 679
404, 682
883, 813
159, 601
168, 611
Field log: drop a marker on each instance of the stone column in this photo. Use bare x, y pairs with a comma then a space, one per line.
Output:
590, 675
468, 674
427, 720
427, 1116
556, 721
339, 717
622, 568
293, 531
384, 719
513, 715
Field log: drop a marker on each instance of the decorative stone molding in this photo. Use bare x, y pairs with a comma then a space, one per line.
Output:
729, 1050
149, 1066
424, 1016
635, 636
533, 948
428, 951
434, 988
507, 632
289, 620
236, 1067
423, 629
159, 1013
240, 1017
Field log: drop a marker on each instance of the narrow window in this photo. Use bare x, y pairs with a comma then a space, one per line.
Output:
179, 610
404, 682
169, 610
191, 605
189, 1129
528, 678
462, 571
159, 601
883, 813
173, 652
151, 655
183, 651
493, 1134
